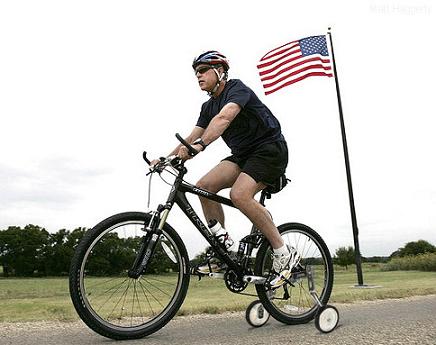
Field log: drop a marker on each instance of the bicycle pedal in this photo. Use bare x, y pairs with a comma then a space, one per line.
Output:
258, 280
216, 275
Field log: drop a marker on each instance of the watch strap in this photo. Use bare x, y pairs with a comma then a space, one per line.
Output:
200, 142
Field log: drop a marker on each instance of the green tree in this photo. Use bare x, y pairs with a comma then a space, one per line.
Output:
60, 250
414, 248
345, 256
22, 250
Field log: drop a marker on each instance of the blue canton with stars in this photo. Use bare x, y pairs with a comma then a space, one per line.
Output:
314, 45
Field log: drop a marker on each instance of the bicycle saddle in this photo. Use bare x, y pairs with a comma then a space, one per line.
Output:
278, 185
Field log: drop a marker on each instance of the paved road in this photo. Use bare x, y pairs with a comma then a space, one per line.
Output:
405, 321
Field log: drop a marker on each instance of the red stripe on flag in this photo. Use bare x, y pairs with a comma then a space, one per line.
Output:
287, 76
265, 56
292, 52
302, 62
280, 52
312, 74
268, 71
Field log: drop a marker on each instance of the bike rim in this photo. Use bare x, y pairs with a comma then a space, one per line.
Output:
124, 303
300, 302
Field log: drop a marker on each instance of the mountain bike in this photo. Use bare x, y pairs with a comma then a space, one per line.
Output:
130, 273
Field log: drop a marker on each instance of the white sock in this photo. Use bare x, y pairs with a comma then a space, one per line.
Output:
282, 250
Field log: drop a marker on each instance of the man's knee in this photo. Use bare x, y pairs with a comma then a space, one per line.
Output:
239, 197
207, 184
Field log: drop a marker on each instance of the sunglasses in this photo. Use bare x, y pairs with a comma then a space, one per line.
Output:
203, 69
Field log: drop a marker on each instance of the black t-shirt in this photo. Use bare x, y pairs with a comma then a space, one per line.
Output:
253, 126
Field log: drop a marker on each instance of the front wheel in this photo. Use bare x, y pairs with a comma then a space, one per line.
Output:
292, 303
107, 299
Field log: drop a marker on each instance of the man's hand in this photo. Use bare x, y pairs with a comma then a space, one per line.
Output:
154, 162
184, 153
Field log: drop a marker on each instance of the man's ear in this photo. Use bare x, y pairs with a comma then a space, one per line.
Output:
222, 71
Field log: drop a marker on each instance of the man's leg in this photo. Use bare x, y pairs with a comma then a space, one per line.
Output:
242, 195
222, 176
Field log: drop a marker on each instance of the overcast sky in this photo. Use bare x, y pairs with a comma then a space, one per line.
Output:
86, 86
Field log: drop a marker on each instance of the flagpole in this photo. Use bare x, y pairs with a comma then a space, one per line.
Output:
358, 258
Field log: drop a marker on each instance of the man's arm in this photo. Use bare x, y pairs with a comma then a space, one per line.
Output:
220, 122
196, 133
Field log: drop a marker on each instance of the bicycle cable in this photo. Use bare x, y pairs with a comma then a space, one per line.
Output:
160, 175
149, 191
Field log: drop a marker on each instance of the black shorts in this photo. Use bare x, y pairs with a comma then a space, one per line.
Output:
265, 164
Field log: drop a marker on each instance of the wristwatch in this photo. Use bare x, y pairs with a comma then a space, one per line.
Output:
201, 142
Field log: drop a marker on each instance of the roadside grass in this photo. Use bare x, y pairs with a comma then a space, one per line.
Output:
382, 285
37, 299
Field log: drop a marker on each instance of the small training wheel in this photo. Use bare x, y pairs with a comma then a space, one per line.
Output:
256, 315
327, 319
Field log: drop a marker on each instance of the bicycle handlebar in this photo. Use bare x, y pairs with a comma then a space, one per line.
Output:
192, 152
173, 160
144, 155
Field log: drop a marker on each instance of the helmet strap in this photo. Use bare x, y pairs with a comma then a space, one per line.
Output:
217, 85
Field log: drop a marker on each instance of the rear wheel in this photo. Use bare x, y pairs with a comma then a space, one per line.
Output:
292, 303
111, 303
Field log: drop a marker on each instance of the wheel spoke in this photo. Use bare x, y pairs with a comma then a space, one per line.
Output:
156, 287
148, 301
107, 291
123, 297
152, 295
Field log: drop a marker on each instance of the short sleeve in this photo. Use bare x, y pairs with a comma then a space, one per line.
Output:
239, 94
203, 121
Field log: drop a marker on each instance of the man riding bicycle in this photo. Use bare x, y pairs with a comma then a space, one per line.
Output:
259, 152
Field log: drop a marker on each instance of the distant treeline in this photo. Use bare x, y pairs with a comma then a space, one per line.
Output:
33, 251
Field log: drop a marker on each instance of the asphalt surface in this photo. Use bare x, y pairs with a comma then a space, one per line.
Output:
403, 321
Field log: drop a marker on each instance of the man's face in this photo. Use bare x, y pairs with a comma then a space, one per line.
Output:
206, 77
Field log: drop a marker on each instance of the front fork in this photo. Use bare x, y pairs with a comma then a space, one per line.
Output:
149, 242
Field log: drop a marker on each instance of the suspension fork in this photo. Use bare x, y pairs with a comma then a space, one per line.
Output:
149, 241
154, 231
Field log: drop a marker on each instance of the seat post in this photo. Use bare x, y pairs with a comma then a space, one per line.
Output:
264, 195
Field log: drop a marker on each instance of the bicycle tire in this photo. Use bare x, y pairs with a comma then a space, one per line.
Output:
299, 307
90, 279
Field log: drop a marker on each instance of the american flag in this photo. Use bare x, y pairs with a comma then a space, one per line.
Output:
294, 61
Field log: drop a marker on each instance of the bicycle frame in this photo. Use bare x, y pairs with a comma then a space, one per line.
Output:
178, 196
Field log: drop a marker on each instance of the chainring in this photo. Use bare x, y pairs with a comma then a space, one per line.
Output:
233, 282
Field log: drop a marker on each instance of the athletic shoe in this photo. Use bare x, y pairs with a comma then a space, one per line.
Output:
283, 265
212, 268
214, 265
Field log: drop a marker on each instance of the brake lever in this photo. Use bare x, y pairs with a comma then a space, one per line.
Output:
156, 167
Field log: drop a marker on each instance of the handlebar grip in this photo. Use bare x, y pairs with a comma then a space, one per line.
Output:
191, 150
144, 155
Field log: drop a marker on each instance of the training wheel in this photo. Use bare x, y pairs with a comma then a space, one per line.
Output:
327, 319
256, 315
